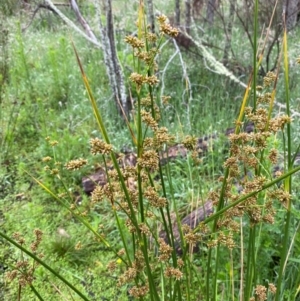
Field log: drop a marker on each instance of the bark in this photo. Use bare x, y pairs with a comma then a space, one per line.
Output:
177, 13
81, 20
290, 9
229, 30
150, 14
44, 6
210, 11
71, 24
113, 67
188, 16
197, 7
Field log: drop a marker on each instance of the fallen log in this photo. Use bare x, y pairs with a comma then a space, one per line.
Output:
192, 220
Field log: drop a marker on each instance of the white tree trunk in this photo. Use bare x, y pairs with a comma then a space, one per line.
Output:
71, 24
150, 14
290, 8
229, 30
81, 20
113, 67
188, 16
210, 10
177, 12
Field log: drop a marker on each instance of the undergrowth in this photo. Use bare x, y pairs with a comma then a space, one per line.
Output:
128, 239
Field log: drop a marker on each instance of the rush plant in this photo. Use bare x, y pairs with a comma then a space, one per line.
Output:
215, 257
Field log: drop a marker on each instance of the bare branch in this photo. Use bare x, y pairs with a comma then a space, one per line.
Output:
228, 31
82, 21
177, 12
215, 65
71, 24
113, 67
210, 10
150, 14
186, 78
45, 6
188, 16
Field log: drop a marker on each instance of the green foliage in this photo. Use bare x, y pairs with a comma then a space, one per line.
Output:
43, 100
9, 7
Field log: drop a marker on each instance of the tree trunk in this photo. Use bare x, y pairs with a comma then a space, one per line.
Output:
81, 20
150, 14
290, 9
177, 13
197, 7
70, 23
188, 15
229, 30
210, 11
113, 67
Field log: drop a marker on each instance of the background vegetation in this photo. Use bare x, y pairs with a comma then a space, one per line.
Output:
43, 100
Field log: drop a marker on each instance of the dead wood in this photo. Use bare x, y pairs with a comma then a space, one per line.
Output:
192, 220
40, 6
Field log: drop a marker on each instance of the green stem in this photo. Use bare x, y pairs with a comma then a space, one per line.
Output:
255, 38
122, 237
36, 293
209, 261
47, 267
244, 198
250, 265
214, 292
288, 180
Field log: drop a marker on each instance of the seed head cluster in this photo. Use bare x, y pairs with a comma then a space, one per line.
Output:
149, 160
165, 250
134, 42
76, 164
171, 272
140, 79
139, 291
166, 28
100, 147
261, 292
23, 270
154, 199
134, 195
246, 171
190, 142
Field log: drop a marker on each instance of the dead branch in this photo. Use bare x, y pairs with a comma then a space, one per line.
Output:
228, 31
186, 78
188, 16
40, 6
72, 25
150, 14
112, 64
82, 21
177, 13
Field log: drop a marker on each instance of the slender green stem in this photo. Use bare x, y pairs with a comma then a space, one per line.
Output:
153, 290
168, 229
255, 39
215, 278
244, 198
209, 261
122, 237
250, 265
42, 263
288, 180
36, 293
